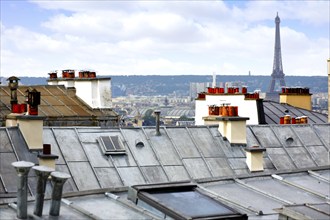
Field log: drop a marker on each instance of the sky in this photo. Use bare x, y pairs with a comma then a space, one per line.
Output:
163, 37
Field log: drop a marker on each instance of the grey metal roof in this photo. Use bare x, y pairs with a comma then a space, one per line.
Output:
166, 111
263, 194
94, 206
303, 191
274, 110
180, 153
306, 211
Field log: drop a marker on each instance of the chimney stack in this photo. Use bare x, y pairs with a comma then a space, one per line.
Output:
254, 158
157, 113
46, 158
297, 97
31, 127
22, 169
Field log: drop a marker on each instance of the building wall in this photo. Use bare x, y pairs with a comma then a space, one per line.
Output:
84, 91
246, 108
105, 95
201, 110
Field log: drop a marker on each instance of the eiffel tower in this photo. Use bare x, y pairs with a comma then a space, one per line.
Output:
277, 65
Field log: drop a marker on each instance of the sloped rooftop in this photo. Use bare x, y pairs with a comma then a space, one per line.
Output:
274, 110
179, 154
60, 106
306, 192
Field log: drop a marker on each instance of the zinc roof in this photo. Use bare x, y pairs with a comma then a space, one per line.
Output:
298, 193
179, 154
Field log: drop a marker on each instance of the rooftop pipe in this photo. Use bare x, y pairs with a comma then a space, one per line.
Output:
22, 169
157, 113
42, 173
58, 179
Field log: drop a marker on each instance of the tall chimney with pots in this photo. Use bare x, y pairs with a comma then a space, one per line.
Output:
157, 113
297, 97
22, 169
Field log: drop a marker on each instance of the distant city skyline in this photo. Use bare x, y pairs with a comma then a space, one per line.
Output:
163, 37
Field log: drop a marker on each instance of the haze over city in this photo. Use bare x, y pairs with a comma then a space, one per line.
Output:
163, 38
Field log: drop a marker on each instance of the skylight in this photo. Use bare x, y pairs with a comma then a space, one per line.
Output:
112, 145
182, 201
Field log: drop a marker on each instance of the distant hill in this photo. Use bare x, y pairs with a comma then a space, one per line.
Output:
27, 80
165, 85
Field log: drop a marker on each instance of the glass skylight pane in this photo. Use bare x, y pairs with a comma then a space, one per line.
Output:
107, 143
115, 141
192, 204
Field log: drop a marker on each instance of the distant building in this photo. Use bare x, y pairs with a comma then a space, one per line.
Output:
197, 87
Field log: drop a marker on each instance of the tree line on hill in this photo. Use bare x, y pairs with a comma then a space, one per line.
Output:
165, 85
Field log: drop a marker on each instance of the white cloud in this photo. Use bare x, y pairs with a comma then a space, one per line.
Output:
131, 37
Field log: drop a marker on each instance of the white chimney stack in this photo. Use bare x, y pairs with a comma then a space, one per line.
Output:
94, 91
254, 158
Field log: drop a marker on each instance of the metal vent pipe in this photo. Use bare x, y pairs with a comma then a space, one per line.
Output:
58, 179
22, 169
42, 173
157, 113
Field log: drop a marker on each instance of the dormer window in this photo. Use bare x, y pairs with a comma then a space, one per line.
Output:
112, 145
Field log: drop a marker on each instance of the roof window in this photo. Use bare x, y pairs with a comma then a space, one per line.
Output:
181, 201
112, 145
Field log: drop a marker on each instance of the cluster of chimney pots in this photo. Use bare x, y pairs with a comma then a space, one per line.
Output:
70, 74
32, 99
223, 110
230, 90
287, 119
295, 90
